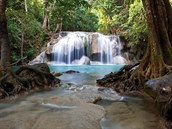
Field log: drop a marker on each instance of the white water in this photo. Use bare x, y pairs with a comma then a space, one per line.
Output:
69, 48
75, 45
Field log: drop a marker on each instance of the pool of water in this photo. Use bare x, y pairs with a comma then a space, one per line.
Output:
89, 69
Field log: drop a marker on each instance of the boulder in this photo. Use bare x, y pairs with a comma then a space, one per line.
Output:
84, 60
94, 44
119, 60
160, 88
41, 58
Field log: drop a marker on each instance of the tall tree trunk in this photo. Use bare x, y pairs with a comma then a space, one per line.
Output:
45, 15
159, 51
22, 48
25, 4
4, 41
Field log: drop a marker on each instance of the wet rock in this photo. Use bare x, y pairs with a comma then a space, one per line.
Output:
53, 113
119, 60
95, 57
84, 60
41, 58
57, 74
160, 88
71, 71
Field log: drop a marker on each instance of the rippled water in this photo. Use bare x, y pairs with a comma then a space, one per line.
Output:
121, 112
127, 113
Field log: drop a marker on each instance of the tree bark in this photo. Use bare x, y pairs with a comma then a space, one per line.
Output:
25, 4
22, 48
45, 15
59, 26
4, 40
158, 57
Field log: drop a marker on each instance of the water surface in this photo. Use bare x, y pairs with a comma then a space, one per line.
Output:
69, 107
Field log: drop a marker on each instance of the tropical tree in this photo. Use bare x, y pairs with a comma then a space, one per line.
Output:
158, 57
4, 41
135, 29
105, 10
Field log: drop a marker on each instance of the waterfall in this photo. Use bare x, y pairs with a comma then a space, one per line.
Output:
94, 47
69, 48
105, 47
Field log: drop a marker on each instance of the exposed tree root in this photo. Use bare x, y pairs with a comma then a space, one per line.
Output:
120, 81
132, 77
26, 78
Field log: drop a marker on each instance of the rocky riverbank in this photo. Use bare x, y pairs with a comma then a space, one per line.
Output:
26, 79
159, 89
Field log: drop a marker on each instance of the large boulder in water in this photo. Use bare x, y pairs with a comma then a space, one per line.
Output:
119, 60
83, 61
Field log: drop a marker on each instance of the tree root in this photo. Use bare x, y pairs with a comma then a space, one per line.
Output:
132, 77
120, 81
26, 78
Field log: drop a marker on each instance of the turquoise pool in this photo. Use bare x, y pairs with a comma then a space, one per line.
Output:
90, 69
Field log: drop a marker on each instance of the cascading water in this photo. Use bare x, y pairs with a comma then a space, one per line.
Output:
94, 47
69, 48
105, 47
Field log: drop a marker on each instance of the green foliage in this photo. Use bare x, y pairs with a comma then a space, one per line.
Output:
24, 24
75, 15
105, 9
122, 17
81, 20
137, 28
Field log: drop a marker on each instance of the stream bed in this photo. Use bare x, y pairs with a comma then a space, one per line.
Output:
71, 106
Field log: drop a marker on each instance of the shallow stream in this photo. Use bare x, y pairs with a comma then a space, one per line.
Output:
71, 105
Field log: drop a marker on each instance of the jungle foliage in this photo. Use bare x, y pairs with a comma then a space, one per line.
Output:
122, 17
25, 21
26, 18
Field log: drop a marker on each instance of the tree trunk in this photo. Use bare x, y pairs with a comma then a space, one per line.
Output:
45, 15
4, 41
25, 4
22, 48
59, 26
159, 51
